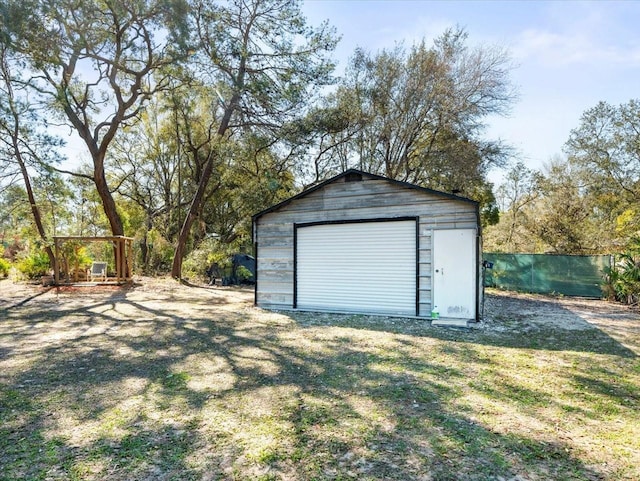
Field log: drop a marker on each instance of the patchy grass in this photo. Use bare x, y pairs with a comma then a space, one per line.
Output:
168, 382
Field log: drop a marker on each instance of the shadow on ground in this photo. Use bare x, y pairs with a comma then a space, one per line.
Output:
130, 389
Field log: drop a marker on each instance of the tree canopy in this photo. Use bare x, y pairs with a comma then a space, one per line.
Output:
195, 114
418, 115
586, 203
94, 64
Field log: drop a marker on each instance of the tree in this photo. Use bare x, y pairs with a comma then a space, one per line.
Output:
262, 62
562, 216
21, 143
607, 146
254, 177
519, 191
420, 114
93, 63
552, 210
608, 142
322, 139
147, 172
15, 213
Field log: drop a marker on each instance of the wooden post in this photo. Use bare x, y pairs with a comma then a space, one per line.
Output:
56, 264
117, 249
130, 256
123, 261
75, 264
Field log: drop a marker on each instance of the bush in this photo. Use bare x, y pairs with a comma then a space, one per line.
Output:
210, 251
34, 265
623, 278
4, 267
75, 253
160, 254
243, 274
197, 261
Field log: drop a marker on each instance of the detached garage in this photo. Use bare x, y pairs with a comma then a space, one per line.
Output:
362, 243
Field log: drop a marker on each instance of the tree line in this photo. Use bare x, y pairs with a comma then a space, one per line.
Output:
195, 114
585, 202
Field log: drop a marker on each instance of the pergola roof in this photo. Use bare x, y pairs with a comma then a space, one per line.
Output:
92, 238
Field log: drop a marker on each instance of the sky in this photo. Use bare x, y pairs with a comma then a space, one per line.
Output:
567, 55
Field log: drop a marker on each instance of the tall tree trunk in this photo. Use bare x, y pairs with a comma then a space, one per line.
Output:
176, 268
108, 203
14, 131
35, 211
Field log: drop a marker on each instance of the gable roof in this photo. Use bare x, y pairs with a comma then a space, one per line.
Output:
367, 174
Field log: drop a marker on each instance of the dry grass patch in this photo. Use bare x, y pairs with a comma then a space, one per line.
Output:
166, 382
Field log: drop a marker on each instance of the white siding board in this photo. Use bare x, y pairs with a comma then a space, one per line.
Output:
277, 253
279, 288
278, 276
281, 242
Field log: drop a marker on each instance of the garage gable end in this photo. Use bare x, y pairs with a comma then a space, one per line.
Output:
354, 177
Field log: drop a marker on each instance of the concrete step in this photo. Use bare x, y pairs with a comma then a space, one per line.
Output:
450, 322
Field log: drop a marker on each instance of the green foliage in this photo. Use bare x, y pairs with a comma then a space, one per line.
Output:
623, 278
160, 252
195, 264
209, 251
4, 267
243, 273
4, 263
75, 253
418, 115
608, 143
34, 265
563, 219
264, 64
559, 209
606, 146
106, 60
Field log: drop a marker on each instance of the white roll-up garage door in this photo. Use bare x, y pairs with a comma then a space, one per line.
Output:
357, 267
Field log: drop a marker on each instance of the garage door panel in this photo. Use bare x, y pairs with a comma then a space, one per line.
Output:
366, 267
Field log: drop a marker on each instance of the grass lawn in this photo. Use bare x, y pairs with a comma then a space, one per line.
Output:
166, 382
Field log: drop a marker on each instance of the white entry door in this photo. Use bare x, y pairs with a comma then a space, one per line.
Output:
454, 273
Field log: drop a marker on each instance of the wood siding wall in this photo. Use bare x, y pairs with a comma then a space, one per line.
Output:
366, 199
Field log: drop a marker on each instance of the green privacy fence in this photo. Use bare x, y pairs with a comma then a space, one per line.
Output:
547, 274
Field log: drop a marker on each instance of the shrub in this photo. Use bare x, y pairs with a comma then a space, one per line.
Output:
34, 265
197, 261
243, 274
160, 254
4, 267
623, 278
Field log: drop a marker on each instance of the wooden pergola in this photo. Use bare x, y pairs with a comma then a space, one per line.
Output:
123, 253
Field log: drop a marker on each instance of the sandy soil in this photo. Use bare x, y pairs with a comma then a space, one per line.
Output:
145, 363
144, 288
527, 312
503, 310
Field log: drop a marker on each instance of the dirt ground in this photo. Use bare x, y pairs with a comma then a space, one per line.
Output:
150, 290
166, 381
525, 312
504, 311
